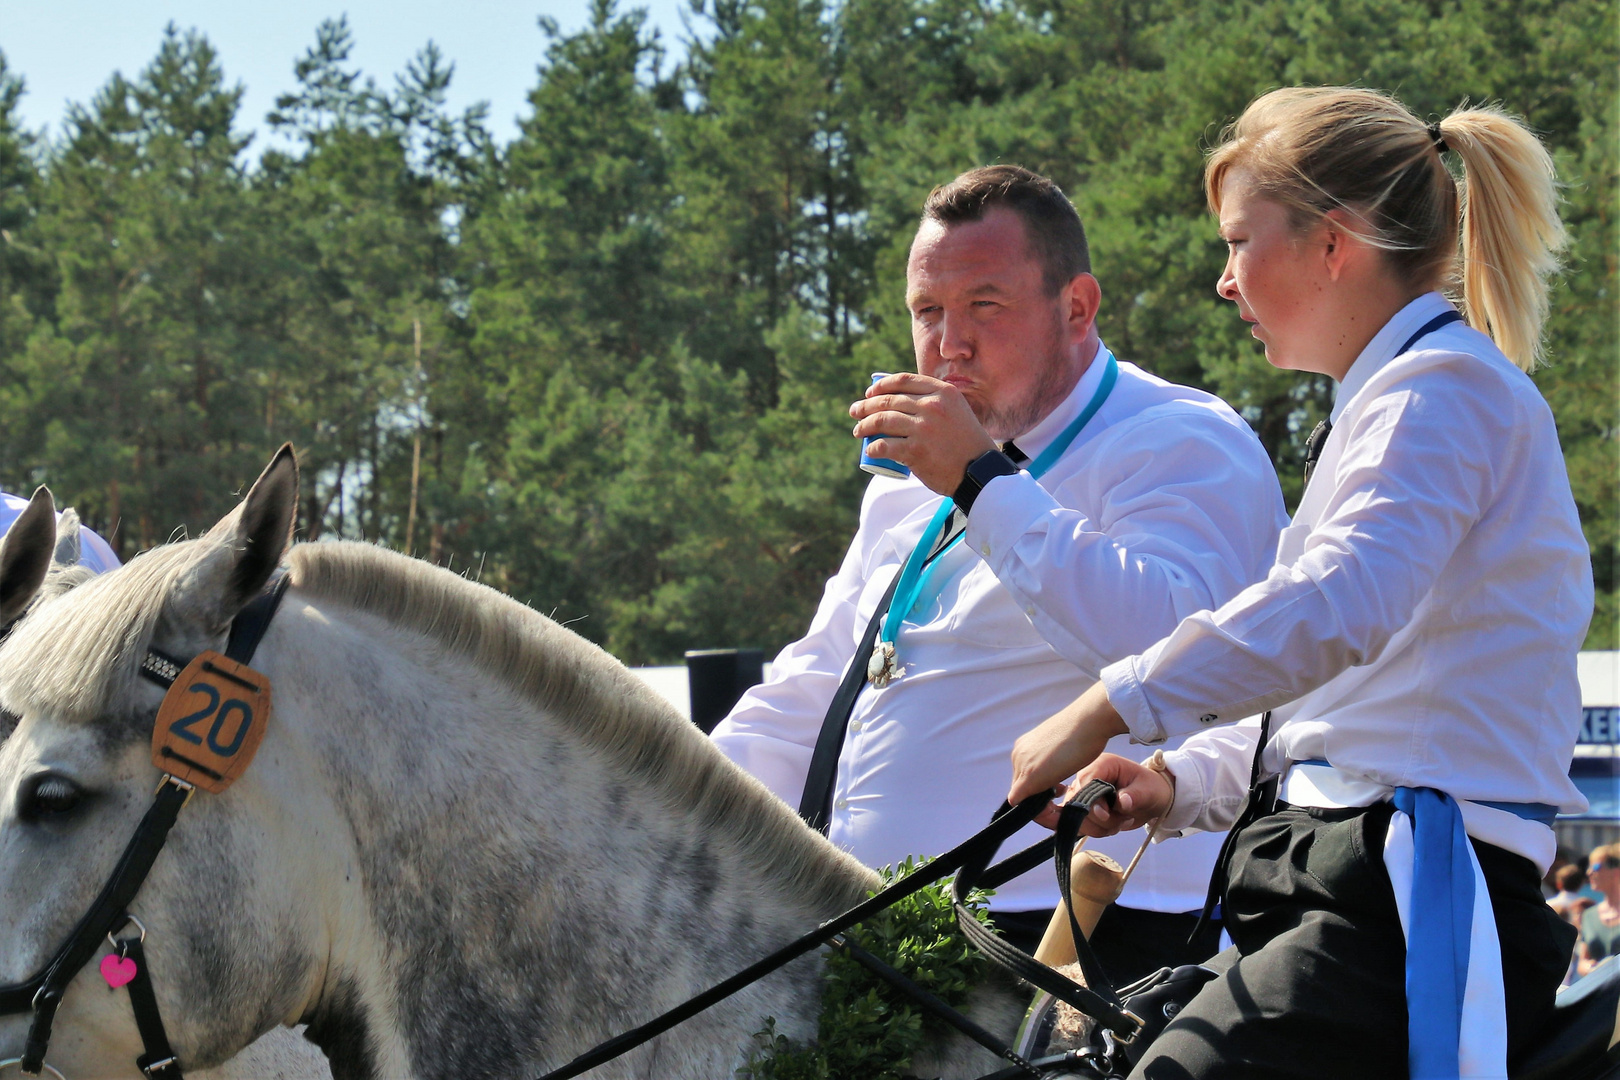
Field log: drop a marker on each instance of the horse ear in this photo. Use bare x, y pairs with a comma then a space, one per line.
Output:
67, 539
259, 530
25, 555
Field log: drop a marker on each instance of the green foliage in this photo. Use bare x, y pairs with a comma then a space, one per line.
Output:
606, 367
869, 1031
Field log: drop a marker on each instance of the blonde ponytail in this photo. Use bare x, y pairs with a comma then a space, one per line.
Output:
1316, 149
1511, 232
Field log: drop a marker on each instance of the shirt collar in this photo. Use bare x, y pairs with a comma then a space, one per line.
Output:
1381, 349
1039, 437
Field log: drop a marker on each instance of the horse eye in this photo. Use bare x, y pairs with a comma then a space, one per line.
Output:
48, 796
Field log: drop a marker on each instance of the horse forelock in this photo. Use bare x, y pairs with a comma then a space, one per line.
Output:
75, 654
586, 690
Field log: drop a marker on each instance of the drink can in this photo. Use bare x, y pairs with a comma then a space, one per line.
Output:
875, 465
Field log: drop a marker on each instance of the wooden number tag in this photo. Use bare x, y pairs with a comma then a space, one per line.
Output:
211, 722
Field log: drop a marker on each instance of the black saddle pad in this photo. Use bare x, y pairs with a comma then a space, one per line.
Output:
1576, 1042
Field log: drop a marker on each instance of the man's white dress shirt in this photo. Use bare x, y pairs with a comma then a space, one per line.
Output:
1165, 504
1421, 624
93, 550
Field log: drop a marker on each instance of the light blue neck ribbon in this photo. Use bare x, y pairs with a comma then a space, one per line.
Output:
914, 575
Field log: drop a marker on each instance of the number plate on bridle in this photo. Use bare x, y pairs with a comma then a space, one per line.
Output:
211, 722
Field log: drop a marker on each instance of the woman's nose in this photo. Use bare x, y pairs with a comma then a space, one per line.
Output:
1226, 284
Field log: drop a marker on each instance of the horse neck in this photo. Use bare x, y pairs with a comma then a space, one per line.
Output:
511, 887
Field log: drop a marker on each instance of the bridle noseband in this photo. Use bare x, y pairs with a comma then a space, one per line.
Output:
109, 912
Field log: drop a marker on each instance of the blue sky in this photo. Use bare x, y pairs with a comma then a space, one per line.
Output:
67, 49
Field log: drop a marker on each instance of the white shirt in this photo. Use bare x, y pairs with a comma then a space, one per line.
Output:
93, 550
1164, 504
1420, 626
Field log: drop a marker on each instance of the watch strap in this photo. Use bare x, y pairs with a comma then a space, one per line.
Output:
980, 471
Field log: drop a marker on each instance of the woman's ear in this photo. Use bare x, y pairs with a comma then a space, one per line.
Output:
1338, 242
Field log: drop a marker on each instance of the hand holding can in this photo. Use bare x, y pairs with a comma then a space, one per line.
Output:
875, 465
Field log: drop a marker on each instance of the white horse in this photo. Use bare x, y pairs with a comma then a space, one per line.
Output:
472, 844
281, 1053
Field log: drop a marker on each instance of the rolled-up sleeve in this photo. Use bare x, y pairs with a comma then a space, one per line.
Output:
1212, 778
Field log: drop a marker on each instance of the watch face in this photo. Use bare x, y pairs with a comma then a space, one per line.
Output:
989, 465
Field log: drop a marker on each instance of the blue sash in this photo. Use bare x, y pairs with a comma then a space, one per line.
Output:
1441, 923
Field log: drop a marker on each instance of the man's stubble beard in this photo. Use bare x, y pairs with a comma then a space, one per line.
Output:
1013, 419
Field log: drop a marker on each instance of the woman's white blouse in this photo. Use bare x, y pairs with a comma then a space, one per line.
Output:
1420, 626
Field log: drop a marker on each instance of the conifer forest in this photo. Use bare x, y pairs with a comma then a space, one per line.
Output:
606, 367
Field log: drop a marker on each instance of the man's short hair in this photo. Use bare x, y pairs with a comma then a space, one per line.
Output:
1050, 220
1569, 878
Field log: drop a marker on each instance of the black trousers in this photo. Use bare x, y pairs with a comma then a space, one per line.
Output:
1132, 943
1315, 984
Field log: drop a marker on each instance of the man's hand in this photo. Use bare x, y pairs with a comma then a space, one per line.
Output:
926, 425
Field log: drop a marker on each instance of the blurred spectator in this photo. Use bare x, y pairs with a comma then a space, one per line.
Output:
1600, 923
1570, 901
1568, 880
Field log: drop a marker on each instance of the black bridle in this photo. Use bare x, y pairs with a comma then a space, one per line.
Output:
42, 993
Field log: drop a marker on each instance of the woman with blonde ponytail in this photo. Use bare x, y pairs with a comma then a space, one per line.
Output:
1413, 649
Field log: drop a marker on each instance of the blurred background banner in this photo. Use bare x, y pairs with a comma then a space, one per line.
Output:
601, 359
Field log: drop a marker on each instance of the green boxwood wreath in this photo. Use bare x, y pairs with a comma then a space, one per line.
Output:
869, 1031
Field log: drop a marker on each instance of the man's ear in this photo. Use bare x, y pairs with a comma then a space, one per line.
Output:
25, 555
1082, 299
258, 531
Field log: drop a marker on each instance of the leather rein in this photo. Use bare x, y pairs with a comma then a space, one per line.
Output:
1126, 1032
42, 993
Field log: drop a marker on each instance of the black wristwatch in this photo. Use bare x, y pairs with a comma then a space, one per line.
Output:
980, 471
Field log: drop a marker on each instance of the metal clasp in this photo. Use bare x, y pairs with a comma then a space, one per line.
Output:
1124, 1040
121, 944
189, 789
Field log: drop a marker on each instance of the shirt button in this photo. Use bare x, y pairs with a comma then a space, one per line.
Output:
841, 804
1208, 718
984, 549
1029, 609
854, 725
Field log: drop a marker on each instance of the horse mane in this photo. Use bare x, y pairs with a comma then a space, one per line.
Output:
77, 655
585, 689
77, 650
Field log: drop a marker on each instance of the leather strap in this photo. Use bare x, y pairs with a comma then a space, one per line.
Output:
1097, 999
1262, 800
158, 1062
106, 913
978, 848
250, 624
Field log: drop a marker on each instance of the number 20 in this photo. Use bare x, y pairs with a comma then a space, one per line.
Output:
183, 726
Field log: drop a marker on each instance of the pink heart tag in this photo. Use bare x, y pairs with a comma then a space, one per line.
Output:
117, 970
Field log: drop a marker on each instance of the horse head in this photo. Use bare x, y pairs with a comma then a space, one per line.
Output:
76, 775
